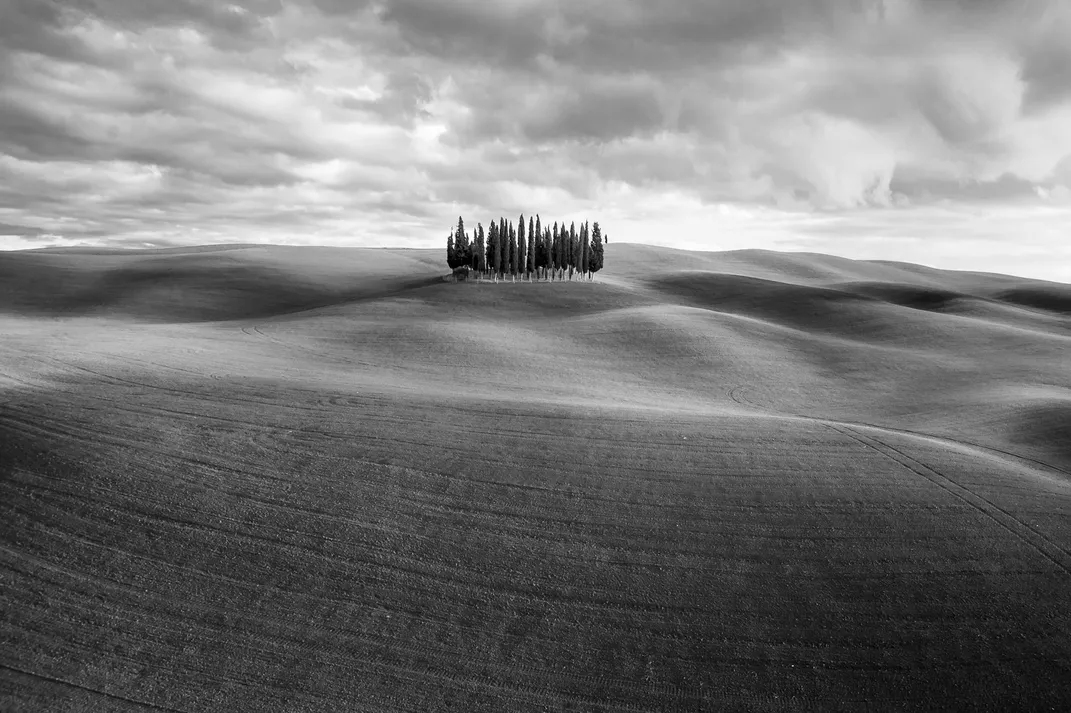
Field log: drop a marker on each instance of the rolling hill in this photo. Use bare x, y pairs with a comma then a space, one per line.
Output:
275, 478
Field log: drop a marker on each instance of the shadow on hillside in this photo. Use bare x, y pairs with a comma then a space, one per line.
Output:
179, 289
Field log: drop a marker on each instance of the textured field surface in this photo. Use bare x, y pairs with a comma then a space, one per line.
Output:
277, 479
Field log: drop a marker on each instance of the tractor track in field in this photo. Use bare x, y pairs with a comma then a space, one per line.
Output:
156, 365
516, 680
210, 394
377, 643
532, 589
269, 437
384, 640
331, 402
387, 552
406, 614
738, 395
256, 331
696, 560
864, 434
1042, 544
88, 689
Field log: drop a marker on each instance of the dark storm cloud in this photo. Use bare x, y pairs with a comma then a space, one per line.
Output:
344, 8
43, 26
26, 134
404, 97
36, 27
121, 242
22, 231
227, 23
601, 113
618, 35
597, 110
155, 117
31, 132
1047, 67
1003, 189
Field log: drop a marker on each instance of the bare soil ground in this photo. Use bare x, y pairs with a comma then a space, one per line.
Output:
266, 478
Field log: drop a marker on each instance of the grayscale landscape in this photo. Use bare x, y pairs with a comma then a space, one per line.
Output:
269, 478
535, 356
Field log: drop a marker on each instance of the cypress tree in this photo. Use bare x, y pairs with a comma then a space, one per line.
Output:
513, 252
479, 255
550, 252
451, 254
536, 248
597, 241
539, 245
580, 252
540, 255
572, 249
529, 257
503, 248
576, 249
546, 255
460, 242
554, 252
522, 248
522, 254
587, 249
563, 250
552, 235
584, 250
493, 252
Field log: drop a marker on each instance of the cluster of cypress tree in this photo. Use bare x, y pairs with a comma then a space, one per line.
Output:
541, 252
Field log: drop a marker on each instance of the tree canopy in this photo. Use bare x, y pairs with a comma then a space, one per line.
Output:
532, 251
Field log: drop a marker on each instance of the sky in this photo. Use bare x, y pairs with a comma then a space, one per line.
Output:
928, 131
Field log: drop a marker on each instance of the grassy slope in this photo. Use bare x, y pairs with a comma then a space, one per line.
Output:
705, 480
199, 284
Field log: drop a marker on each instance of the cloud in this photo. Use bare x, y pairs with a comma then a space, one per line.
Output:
381, 120
602, 112
25, 232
